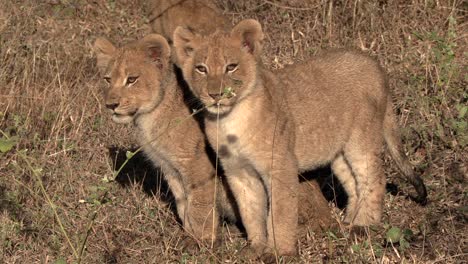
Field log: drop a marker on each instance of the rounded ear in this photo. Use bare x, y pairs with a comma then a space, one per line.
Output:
183, 43
104, 51
157, 49
250, 33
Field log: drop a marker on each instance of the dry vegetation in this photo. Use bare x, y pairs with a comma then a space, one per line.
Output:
59, 149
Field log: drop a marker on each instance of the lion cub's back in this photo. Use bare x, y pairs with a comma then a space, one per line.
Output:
337, 73
325, 95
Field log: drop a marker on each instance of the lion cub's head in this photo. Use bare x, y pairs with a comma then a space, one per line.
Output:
133, 74
220, 68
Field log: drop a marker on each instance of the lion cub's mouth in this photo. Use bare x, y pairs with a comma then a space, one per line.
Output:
220, 107
123, 117
221, 103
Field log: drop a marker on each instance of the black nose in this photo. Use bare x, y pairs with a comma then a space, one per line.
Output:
112, 106
216, 96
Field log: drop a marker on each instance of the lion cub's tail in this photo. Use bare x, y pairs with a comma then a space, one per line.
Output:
395, 147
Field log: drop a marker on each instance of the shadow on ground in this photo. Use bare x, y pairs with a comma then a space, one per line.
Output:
139, 170
333, 190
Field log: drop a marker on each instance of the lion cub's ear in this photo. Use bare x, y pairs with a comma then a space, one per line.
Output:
250, 33
183, 43
104, 51
157, 49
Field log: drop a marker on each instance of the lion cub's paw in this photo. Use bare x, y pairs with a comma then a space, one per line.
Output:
189, 245
358, 231
252, 252
192, 246
270, 256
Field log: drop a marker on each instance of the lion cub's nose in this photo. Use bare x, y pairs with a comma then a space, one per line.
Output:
112, 106
216, 96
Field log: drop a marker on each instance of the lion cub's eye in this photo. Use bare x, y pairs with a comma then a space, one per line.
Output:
231, 67
201, 69
107, 79
131, 80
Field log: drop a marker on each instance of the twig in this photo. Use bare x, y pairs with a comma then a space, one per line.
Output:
49, 201
90, 225
287, 7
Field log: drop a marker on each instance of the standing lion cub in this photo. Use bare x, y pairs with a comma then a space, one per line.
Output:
269, 126
142, 89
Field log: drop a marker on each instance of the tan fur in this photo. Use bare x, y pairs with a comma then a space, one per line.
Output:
272, 125
200, 15
170, 137
180, 151
203, 17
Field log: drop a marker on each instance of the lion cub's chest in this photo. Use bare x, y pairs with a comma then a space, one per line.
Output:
158, 144
238, 136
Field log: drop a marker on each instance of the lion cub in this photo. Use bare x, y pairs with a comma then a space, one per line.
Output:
269, 126
142, 89
201, 15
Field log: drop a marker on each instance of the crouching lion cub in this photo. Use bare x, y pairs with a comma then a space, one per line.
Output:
142, 89
270, 126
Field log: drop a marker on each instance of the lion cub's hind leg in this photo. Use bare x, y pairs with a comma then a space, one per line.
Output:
343, 172
363, 155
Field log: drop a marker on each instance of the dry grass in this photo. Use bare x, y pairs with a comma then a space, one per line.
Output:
50, 110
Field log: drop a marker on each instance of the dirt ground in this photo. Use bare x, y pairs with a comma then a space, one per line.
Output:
59, 150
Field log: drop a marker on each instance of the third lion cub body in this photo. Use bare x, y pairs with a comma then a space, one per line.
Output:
269, 126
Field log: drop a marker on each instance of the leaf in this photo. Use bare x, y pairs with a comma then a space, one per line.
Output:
462, 109
404, 244
356, 248
228, 92
129, 154
378, 250
408, 233
37, 171
393, 235
332, 235
6, 144
60, 261
106, 179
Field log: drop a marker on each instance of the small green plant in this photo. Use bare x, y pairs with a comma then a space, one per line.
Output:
366, 248
459, 123
7, 143
60, 261
228, 92
449, 123
395, 235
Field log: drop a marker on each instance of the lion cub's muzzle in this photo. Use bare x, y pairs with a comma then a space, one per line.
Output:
121, 113
112, 106
216, 96
225, 98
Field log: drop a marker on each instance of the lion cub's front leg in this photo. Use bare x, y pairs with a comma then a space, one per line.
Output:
249, 192
266, 193
281, 183
200, 217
